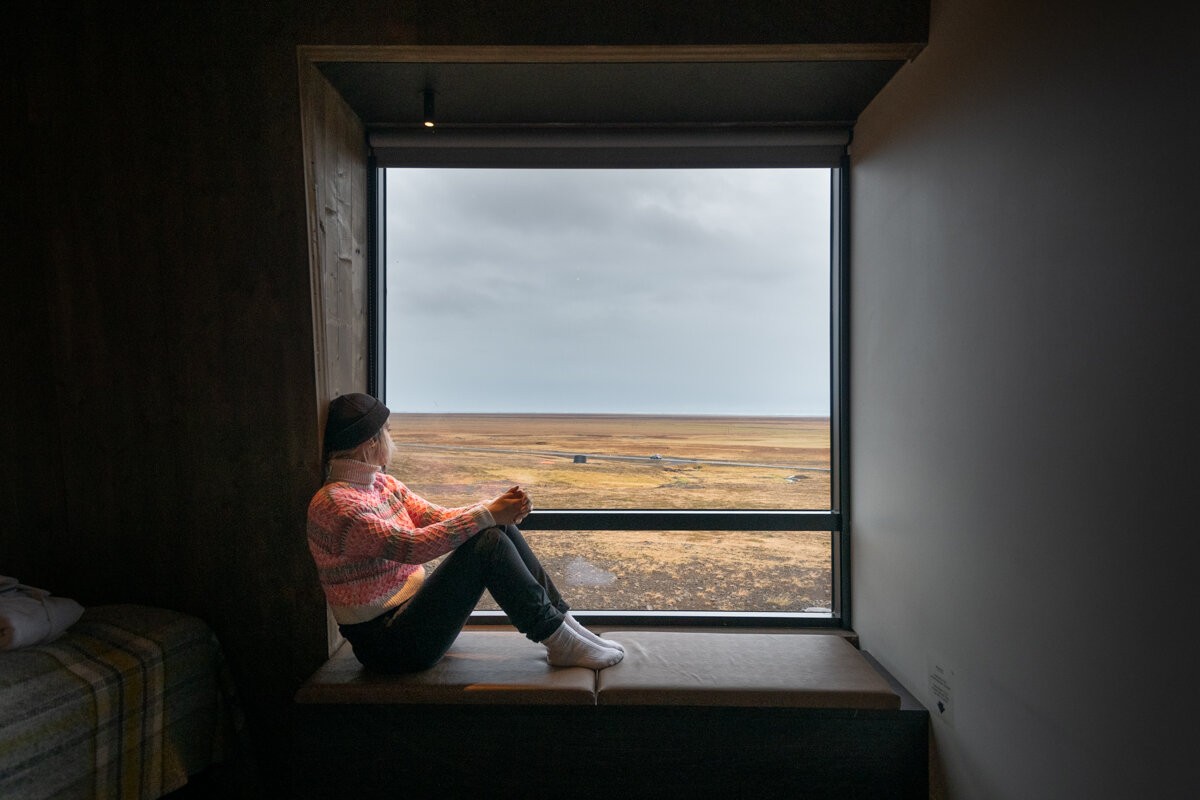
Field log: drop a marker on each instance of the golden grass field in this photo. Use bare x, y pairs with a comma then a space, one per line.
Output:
459, 459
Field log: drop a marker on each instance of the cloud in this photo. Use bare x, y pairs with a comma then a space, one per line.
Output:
620, 290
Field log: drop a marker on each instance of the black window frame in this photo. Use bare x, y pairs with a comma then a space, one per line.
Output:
834, 521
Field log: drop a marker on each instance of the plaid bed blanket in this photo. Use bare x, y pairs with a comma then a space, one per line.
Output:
126, 704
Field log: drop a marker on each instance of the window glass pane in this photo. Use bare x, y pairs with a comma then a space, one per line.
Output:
652, 338
687, 570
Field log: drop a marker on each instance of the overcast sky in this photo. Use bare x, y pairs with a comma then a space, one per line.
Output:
608, 291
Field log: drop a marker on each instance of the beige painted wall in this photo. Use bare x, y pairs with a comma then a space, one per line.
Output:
1022, 429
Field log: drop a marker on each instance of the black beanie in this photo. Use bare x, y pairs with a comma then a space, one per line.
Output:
353, 419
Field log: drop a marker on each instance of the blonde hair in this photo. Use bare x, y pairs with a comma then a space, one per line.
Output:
377, 450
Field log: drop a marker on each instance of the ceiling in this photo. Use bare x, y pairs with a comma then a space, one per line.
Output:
389, 94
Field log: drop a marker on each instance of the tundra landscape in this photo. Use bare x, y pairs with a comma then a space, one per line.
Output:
642, 462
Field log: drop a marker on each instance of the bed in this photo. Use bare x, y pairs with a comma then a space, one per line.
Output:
127, 703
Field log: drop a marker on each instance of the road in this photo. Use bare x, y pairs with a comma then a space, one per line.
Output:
608, 456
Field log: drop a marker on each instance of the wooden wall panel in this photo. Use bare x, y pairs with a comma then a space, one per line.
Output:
336, 192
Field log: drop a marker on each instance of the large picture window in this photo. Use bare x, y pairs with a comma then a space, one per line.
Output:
651, 353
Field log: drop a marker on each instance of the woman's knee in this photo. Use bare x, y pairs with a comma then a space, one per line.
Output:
514, 535
490, 540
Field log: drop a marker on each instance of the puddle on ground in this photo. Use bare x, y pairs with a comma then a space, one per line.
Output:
581, 572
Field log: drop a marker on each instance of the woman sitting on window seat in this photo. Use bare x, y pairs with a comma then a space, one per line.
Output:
370, 535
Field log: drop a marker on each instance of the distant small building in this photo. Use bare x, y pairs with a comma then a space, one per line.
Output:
580, 459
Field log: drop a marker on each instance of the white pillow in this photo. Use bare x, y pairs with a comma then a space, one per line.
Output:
30, 616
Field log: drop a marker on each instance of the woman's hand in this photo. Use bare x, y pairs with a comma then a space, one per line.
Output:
511, 507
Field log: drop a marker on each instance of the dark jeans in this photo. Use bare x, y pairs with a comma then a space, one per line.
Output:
417, 635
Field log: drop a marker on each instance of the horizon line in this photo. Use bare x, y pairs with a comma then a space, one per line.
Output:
606, 414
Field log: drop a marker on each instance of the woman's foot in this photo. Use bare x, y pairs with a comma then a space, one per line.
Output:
567, 648
577, 626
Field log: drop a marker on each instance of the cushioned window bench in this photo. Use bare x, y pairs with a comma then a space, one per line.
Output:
685, 714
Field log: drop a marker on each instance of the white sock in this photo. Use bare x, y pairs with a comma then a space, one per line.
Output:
566, 648
577, 626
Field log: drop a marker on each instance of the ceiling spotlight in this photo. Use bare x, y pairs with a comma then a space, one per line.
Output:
428, 117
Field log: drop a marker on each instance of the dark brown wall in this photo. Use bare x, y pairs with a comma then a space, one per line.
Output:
164, 408
161, 403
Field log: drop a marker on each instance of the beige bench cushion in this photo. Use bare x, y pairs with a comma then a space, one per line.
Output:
485, 667
741, 669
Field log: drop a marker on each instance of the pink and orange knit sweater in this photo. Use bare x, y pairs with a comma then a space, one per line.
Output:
369, 536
